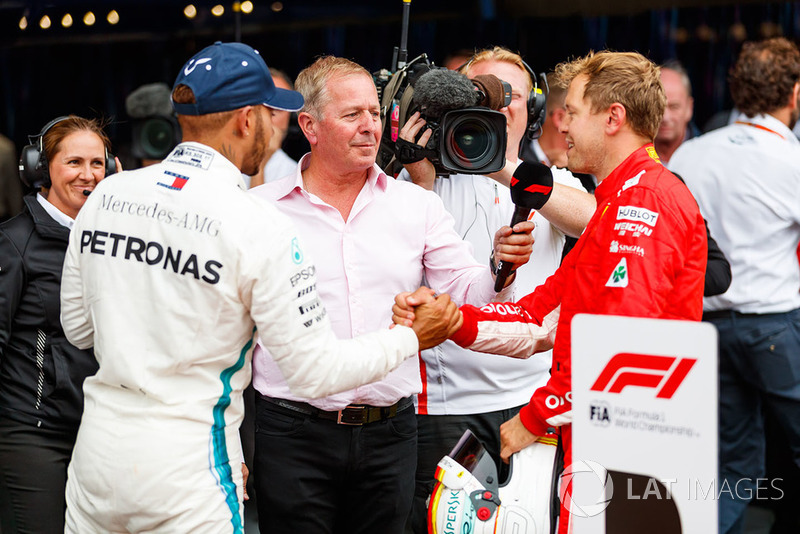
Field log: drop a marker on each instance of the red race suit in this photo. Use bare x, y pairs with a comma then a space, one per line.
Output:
643, 254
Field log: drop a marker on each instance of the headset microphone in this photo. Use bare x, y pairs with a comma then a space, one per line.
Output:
531, 186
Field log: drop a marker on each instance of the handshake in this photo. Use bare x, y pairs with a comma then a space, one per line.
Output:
433, 318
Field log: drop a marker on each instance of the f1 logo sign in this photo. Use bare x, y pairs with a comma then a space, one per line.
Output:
664, 373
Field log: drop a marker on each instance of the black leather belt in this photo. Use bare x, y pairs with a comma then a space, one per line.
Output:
354, 414
730, 314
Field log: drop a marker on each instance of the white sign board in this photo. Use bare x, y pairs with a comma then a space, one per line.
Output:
644, 408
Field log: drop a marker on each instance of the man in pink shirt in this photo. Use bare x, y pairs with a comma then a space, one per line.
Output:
345, 463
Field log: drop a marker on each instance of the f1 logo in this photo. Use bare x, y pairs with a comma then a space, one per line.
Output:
536, 188
533, 188
665, 373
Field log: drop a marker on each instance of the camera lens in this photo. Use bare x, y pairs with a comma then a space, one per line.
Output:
157, 138
471, 141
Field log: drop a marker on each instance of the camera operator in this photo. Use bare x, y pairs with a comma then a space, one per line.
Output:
465, 389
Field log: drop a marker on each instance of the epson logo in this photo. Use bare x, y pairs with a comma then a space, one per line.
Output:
663, 373
303, 274
635, 213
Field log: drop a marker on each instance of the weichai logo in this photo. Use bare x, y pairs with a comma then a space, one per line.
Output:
663, 373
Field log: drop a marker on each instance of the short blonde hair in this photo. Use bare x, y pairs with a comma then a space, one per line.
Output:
498, 53
627, 78
313, 80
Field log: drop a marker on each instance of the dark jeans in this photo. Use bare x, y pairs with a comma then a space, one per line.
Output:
33, 476
314, 476
437, 435
759, 371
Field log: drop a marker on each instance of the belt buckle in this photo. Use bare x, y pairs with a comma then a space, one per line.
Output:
351, 415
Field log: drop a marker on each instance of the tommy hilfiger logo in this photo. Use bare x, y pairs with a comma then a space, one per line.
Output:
178, 182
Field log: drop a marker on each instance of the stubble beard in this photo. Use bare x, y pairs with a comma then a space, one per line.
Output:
258, 156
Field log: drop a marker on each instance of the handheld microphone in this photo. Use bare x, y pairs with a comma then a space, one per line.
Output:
86, 192
531, 186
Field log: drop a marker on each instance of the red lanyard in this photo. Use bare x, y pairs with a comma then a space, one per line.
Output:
761, 128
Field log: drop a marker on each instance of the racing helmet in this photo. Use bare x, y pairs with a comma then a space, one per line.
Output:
468, 499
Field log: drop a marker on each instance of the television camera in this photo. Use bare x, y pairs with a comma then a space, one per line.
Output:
469, 133
468, 130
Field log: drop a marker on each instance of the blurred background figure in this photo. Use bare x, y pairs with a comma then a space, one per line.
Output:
677, 125
457, 59
154, 127
279, 163
10, 188
41, 373
745, 172
551, 146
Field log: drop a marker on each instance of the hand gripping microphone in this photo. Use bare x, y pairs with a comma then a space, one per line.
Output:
531, 186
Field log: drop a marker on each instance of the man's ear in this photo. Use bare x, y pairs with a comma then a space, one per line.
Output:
308, 125
616, 117
793, 104
244, 121
557, 117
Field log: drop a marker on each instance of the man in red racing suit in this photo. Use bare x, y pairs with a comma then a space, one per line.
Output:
643, 253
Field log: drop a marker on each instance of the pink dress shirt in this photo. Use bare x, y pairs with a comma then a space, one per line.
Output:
398, 237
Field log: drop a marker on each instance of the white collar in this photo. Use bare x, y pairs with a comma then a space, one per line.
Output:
59, 216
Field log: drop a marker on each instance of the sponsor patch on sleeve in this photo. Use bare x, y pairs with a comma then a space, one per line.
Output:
616, 248
637, 214
619, 276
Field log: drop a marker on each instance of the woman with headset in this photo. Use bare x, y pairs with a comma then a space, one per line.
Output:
41, 373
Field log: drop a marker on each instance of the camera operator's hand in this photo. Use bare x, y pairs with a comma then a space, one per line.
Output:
422, 172
513, 246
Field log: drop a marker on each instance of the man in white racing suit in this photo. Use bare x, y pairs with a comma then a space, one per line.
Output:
168, 274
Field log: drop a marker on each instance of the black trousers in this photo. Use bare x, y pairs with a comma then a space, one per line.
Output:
437, 435
33, 475
317, 477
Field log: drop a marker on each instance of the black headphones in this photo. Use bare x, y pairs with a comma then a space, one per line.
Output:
34, 168
537, 103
